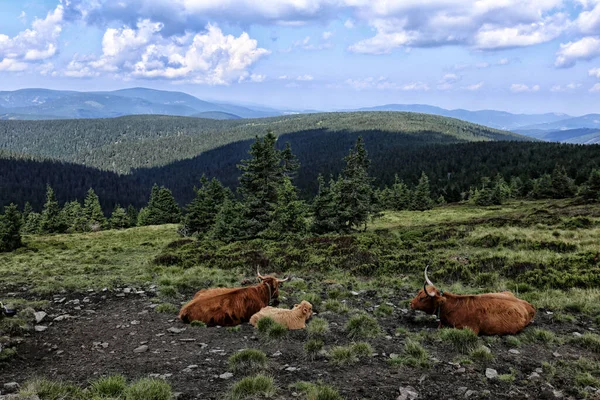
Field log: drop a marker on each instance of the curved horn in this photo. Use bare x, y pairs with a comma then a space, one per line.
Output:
258, 274
428, 282
283, 280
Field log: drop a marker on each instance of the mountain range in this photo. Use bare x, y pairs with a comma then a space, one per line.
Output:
40, 104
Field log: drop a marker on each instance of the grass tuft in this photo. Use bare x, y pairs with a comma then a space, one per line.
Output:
336, 306
342, 355
312, 347
312, 298
166, 308
415, 355
538, 335
47, 389
252, 387
247, 360
513, 342
109, 386
318, 391
462, 340
148, 389
362, 326
198, 324
384, 310
482, 354
590, 341
317, 327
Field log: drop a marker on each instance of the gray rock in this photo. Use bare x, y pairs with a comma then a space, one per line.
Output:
176, 330
40, 328
514, 351
39, 316
460, 371
62, 317
491, 373
534, 376
461, 390
11, 386
577, 334
141, 349
276, 354
19, 397
470, 393
291, 369
407, 393
226, 375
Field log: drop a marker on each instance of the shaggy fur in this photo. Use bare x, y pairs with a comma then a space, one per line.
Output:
292, 319
488, 314
230, 306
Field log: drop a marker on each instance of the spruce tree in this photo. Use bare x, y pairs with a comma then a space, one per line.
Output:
203, 210
229, 223
32, 224
119, 218
10, 229
421, 196
132, 216
355, 193
542, 187
289, 217
75, 218
261, 177
26, 211
400, 195
93, 211
324, 208
562, 185
161, 209
591, 188
51, 221
290, 162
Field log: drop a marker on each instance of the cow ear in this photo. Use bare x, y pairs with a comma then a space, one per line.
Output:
296, 305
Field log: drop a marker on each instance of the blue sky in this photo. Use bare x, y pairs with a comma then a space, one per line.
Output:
515, 55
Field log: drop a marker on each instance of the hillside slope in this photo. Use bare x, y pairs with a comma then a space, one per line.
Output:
585, 121
122, 144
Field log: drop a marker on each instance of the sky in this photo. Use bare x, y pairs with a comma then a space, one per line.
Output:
523, 56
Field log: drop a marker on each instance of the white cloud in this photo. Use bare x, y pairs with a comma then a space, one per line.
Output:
521, 88
572, 52
382, 83
22, 17
474, 87
566, 88
304, 78
595, 88
503, 61
448, 81
416, 86
32, 45
209, 57
327, 35
349, 24
594, 72
588, 21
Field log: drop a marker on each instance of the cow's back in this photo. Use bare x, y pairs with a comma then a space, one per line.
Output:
222, 307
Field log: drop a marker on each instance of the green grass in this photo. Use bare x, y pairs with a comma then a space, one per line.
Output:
317, 391
167, 308
361, 349
253, 387
538, 335
198, 324
317, 327
461, 340
507, 378
312, 347
590, 341
13, 326
482, 354
247, 360
342, 355
384, 310
583, 379
336, 306
312, 298
148, 389
270, 329
234, 329
51, 390
414, 355
110, 386
512, 341
362, 326
7, 354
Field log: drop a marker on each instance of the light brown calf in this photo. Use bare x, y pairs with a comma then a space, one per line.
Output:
292, 319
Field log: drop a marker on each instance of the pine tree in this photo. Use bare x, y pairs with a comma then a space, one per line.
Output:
290, 162
10, 229
542, 187
324, 210
289, 217
203, 210
562, 185
400, 195
261, 178
32, 224
355, 193
161, 209
421, 196
132, 216
74, 217
119, 218
500, 191
51, 221
26, 211
591, 188
93, 211
441, 201
142, 217
229, 223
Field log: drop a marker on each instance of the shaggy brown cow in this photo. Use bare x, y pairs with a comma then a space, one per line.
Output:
292, 319
488, 314
231, 306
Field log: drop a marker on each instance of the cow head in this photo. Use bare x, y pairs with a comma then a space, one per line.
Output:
306, 309
273, 284
427, 299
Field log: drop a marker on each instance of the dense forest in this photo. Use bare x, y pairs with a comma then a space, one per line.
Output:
125, 143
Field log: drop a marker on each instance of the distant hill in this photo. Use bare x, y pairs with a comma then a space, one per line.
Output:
577, 136
125, 143
494, 119
585, 121
40, 103
215, 115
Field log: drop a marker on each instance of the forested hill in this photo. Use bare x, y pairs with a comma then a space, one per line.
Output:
126, 143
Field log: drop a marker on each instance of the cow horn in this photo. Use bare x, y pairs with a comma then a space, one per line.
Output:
258, 274
283, 280
428, 282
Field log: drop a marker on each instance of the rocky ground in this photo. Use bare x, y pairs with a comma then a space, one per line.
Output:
99, 333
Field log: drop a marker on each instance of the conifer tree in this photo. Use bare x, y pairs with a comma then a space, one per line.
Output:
161, 209
26, 211
10, 229
74, 217
542, 187
562, 185
421, 196
400, 195
203, 210
51, 221
132, 216
32, 223
591, 188
93, 211
354, 190
229, 223
119, 218
289, 216
324, 209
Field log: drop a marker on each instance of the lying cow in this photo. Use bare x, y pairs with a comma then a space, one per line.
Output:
488, 314
231, 306
292, 319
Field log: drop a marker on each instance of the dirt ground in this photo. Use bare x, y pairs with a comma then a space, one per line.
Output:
102, 330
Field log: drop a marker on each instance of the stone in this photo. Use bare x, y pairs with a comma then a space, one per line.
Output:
534, 376
40, 328
39, 316
407, 393
11, 386
276, 354
539, 370
556, 354
176, 330
62, 317
141, 349
577, 334
460, 371
514, 351
226, 375
461, 390
491, 373
291, 369
470, 393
